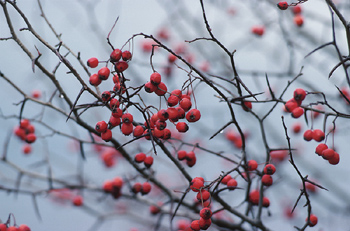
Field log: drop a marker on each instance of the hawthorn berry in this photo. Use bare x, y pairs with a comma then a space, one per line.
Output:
92, 62
181, 154
121, 66
140, 157
203, 195
126, 55
204, 224
136, 187
118, 182
185, 104
252, 165
24, 123
36, 94
173, 114
160, 125
163, 115
254, 197
320, 148
155, 78
127, 128
196, 184
266, 180
308, 135
157, 133
296, 128
30, 138
148, 161
181, 114
94, 80
296, 9
291, 105
127, 118
313, 220
23, 228
154, 209
101, 126
269, 169
298, 20
115, 55
177, 92
114, 103
3, 227
297, 112
27, 148
107, 135
205, 213
149, 87
226, 179
318, 135
328, 154
12, 228
299, 94
103, 73
146, 188
265, 202
107, 186
182, 127
232, 184
247, 106
282, 5
161, 89
138, 131
106, 96
77, 200
114, 121
258, 30
195, 225
193, 115
335, 159
173, 100
166, 134
190, 156
117, 112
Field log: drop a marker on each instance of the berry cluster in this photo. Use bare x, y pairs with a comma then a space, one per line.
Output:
190, 157
7, 227
25, 131
316, 134
293, 105
142, 158
296, 10
144, 188
113, 186
327, 154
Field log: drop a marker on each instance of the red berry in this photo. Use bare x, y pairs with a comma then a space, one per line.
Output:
318, 135
148, 161
265, 202
205, 213
296, 128
23, 228
282, 5
106, 96
154, 209
196, 184
103, 73
258, 30
177, 92
24, 123
114, 103
195, 225
160, 125
204, 224
291, 105
149, 87
308, 135
163, 115
203, 195
107, 135
269, 169
182, 127
313, 220
232, 184
247, 106
127, 128
161, 89
27, 148
115, 55
118, 182
114, 121
320, 148
296, 9
36, 94
181, 154
138, 131
94, 80
92, 62
3, 227
185, 104
155, 78
297, 112
335, 159
126, 55
173, 100
121, 66
12, 228
30, 138
146, 188
193, 115
108, 186
127, 118
266, 180
181, 114
77, 200
140, 157
101, 126
136, 187
254, 197
299, 94
328, 154
117, 112
298, 20
252, 165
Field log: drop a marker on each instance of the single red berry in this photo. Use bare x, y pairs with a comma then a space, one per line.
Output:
146, 188
291, 105
181, 114
232, 184
92, 62
106, 96
181, 154
282, 5
118, 182
26, 149
140, 157
158, 133
196, 184
149, 87
30, 138
121, 66
296, 128
103, 73
226, 179
320, 148
298, 20
173, 100
127, 118
252, 165
313, 220
193, 115
166, 134
161, 125
299, 94
190, 155
247, 106
308, 135
335, 159
148, 161
23, 228
136, 187
185, 104
138, 131
107, 186
107, 135
114, 103
297, 112
127, 128
195, 225
126, 55
266, 202
269, 169
115, 55
36, 94
24, 123
12, 228
155, 78
318, 135
3, 227
266, 180
296, 9
154, 209
173, 114
117, 112
101, 126
254, 197
182, 127
205, 213
77, 200
258, 30
177, 92
203, 195
94, 80
163, 115
328, 154
161, 89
